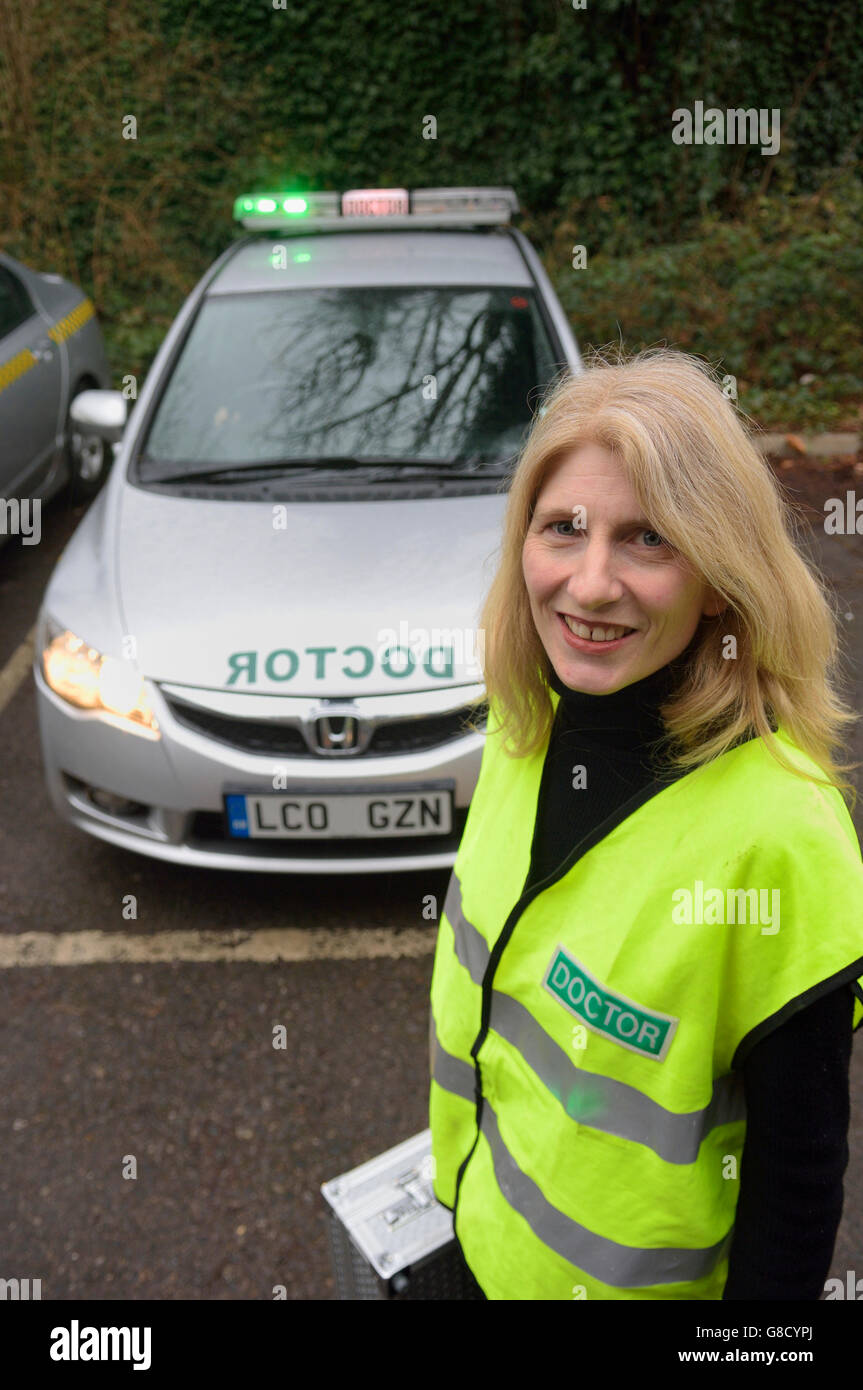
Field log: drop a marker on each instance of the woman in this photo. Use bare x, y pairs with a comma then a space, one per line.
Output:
651, 947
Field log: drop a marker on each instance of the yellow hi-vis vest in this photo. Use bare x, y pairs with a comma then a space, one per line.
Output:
586, 1106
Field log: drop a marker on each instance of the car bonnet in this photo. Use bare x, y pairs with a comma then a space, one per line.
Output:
335, 598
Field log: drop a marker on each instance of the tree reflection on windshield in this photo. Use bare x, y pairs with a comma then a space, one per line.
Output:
436, 373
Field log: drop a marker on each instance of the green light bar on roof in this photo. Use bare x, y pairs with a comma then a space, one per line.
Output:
288, 210
274, 209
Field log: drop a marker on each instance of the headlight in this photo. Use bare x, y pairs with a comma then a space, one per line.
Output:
90, 680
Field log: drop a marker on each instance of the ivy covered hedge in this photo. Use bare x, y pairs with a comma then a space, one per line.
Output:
736, 254
774, 296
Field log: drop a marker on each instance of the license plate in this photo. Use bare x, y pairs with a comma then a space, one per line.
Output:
339, 815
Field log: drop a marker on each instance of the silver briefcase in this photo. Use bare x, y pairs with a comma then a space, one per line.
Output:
389, 1235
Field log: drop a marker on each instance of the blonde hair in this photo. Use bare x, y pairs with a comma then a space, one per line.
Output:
706, 489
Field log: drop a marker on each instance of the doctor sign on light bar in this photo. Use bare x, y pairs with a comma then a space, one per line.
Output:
365, 207
375, 202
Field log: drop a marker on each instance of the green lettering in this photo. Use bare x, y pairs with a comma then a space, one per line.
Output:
320, 653
385, 663
239, 662
369, 660
427, 662
269, 665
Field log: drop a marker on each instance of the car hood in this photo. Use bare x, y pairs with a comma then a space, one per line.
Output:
307, 598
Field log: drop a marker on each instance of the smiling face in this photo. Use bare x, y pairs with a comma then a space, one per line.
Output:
638, 601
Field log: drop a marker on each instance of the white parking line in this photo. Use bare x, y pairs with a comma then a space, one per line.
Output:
17, 668
265, 945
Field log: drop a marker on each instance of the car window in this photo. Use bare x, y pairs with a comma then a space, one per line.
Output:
15, 305
438, 373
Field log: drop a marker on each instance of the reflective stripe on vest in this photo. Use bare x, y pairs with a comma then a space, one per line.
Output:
451, 1073
623, 1266
470, 946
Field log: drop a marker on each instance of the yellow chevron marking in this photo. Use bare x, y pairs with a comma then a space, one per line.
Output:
65, 327
16, 366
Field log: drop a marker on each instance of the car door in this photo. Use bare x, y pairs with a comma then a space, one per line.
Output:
30, 387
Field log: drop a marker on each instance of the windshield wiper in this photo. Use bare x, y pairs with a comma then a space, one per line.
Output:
240, 472
382, 464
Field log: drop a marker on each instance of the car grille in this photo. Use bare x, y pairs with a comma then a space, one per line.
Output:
388, 740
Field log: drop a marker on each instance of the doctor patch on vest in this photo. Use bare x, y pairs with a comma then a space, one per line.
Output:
614, 1016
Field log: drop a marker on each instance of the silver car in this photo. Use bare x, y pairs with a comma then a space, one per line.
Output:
51, 349
259, 649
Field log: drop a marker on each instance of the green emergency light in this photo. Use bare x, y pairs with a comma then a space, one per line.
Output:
250, 206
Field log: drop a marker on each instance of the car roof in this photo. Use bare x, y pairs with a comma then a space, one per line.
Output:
24, 272
34, 280
438, 257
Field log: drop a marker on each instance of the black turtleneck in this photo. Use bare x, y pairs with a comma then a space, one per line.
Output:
795, 1079
613, 744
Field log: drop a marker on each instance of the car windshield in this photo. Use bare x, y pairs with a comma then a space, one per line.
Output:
438, 374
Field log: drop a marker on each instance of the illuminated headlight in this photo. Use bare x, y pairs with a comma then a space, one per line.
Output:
90, 680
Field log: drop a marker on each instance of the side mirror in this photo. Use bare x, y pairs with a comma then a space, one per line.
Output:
100, 412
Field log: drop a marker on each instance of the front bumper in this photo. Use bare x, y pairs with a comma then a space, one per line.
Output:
179, 782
